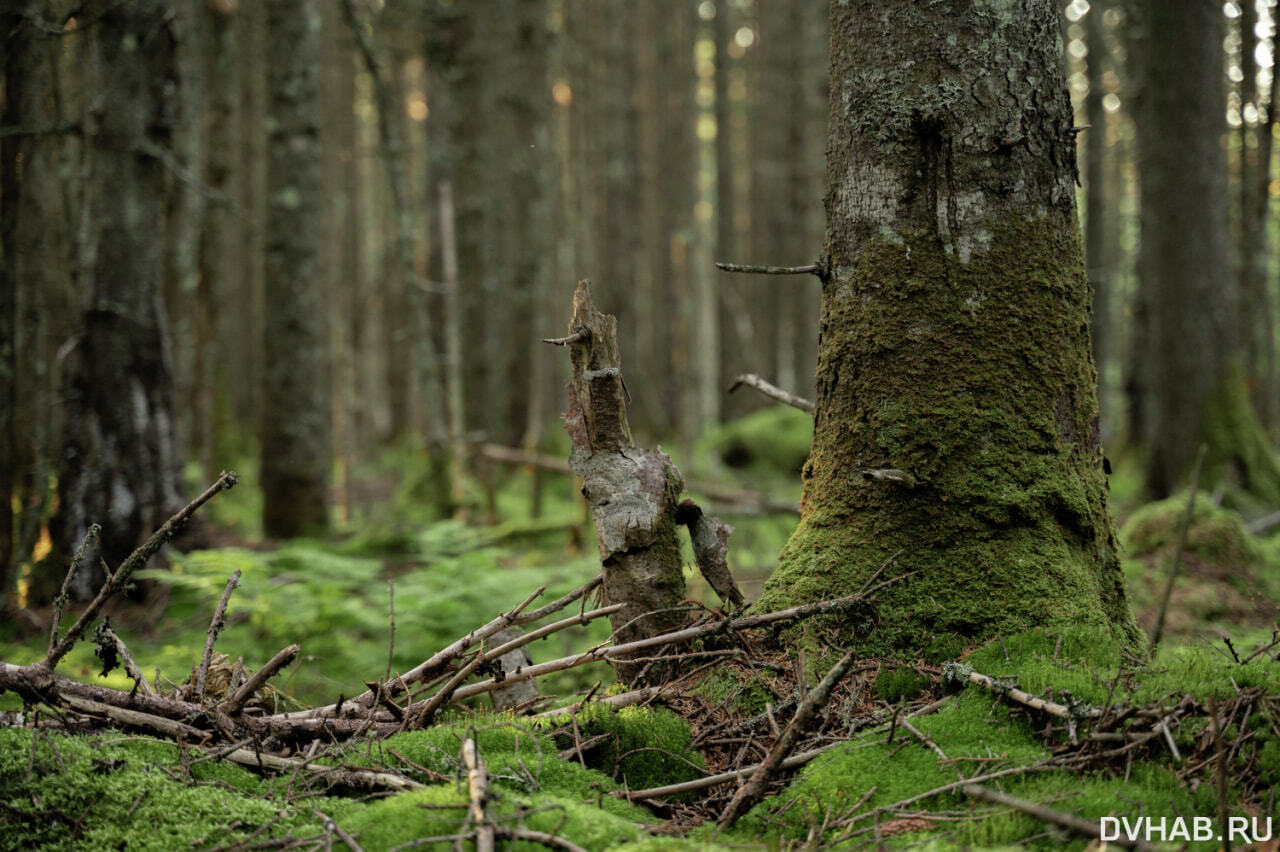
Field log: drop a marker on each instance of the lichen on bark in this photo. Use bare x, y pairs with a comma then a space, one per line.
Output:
955, 335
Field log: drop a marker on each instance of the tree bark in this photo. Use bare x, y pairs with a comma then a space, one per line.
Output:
24, 171
295, 428
118, 468
954, 345
1098, 228
1197, 388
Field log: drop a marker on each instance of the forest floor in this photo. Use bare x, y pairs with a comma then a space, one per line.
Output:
920, 753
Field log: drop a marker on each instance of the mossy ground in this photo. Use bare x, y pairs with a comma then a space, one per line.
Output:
64, 792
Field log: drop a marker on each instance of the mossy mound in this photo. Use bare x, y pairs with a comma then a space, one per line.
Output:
1226, 576
980, 733
774, 441
643, 747
110, 792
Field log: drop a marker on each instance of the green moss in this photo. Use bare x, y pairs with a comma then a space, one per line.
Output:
1216, 535
774, 440
945, 647
1086, 663
105, 793
646, 746
1006, 525
899, 683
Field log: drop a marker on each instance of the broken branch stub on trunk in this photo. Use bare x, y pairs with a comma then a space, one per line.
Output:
633, 493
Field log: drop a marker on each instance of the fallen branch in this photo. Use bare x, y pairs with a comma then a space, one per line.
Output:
753, 790
282, 658
477, 787
215, 627
772, 391
964, 673
429, 668
604, 652
1049, 815
115, 582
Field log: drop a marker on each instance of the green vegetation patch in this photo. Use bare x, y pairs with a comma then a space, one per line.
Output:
774, 441
981, 733
113, 792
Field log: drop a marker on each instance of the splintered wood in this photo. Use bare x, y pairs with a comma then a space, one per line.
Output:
633, 493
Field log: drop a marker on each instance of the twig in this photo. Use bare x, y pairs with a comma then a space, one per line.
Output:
132, 563
807, 269
282, 658
215, 627
130, 666
1040, 812
560, 603
799, 759
725, 624
429, 668
720, 493
477, 785
772, 391
552, 840
391, 617
333, 828
753, 790
1177, 552
61, 600
579, 335
964, 672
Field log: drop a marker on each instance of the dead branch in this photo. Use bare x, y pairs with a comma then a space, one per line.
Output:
333, 828
429, 668
130, 666
753, 790
215, 627
772, 391
477, 787
63, 594
552, 840
282, 658
726, 624
1044, 814
752, 269
964, 673
560, 603
133, 562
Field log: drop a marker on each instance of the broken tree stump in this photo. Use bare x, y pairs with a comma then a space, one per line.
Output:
634, 493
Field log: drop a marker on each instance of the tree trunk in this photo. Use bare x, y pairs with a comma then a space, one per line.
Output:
956, 418
295, 428
24, 176
118, 467
1098, 229
1196, 358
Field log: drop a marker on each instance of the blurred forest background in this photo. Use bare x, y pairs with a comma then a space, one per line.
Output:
319, 241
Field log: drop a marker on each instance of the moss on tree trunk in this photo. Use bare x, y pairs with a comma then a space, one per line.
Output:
956, 411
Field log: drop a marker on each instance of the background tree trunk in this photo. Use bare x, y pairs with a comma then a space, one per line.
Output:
1197, 390
956, 417
118, 468
295, 427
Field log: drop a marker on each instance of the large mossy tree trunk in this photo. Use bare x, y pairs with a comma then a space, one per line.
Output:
295, 421
956, 414
119, 468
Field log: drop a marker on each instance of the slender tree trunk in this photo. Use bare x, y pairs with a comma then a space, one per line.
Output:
295, 430
956, 419
1198, 391
24, 172
119, 468
1098, 227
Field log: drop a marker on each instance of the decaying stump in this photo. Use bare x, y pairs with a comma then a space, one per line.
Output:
634, 493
